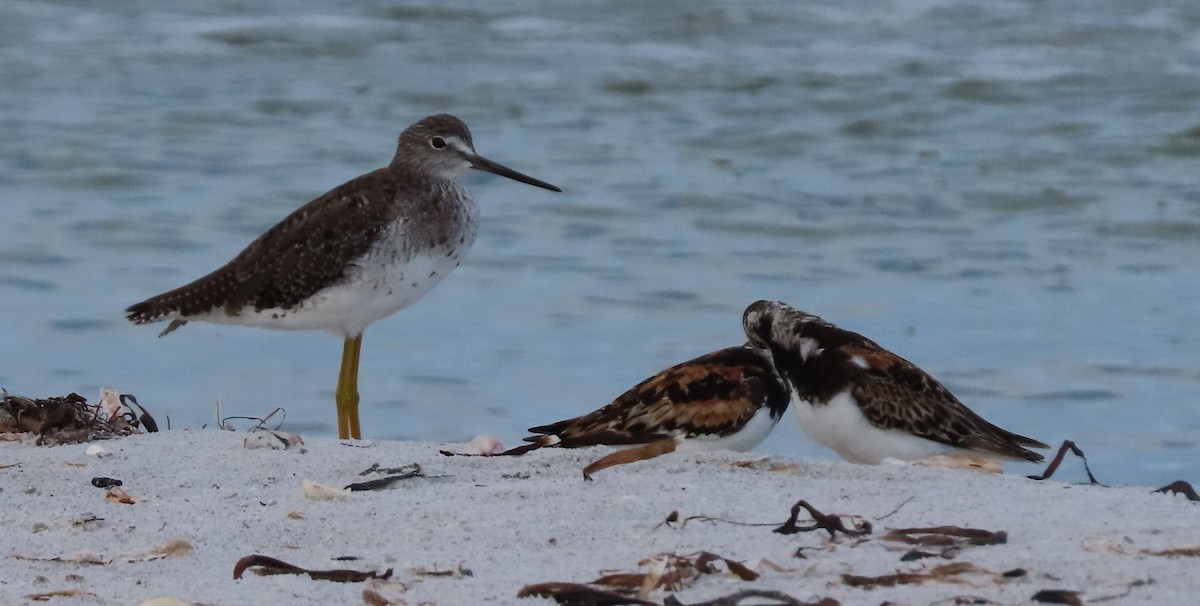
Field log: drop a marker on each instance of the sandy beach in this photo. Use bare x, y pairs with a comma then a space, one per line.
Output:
473, 530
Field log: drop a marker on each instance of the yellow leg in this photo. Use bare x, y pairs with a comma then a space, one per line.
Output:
346, 395
355, 429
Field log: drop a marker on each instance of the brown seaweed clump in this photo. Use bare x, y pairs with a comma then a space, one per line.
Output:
71, 419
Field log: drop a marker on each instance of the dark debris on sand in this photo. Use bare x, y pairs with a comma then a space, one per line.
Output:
70, 419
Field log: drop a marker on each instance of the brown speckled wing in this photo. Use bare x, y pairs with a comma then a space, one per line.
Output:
315, 246
895, 394
715, 394
310, 249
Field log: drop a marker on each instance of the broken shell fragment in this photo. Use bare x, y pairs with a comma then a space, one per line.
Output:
271, 440
320, 492
484, 445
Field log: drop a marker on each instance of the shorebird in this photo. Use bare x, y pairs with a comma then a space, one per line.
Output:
867, 403
362, 251
729, 399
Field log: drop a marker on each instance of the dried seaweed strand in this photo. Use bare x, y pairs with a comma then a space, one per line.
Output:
380, 483
1175, 552
271, 565
946, 535
896, 510
261, 423
733, 599
583, 595
1180, 487
1067, 445
945, 572
1128, 590
831, 523
1058, 596
145, 419
673, 518
578, 593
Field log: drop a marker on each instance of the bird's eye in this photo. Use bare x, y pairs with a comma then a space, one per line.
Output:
438, 143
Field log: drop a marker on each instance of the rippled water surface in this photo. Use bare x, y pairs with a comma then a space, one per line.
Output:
1005, 192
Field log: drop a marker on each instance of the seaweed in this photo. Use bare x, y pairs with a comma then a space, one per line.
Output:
268, 565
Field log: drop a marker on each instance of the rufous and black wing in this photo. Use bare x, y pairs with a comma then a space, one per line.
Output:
715, 395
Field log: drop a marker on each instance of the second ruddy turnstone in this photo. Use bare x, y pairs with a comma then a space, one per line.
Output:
867, 403
729, 399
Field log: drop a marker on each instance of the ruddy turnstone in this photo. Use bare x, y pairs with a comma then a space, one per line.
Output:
729, 399
361, 252
867, 403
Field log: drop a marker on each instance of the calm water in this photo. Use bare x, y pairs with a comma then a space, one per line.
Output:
1006, 192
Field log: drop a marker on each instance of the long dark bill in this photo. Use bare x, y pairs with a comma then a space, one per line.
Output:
481, 163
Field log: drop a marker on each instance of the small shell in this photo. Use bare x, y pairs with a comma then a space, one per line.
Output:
116, 494
319, 492
110, 402
484, 445
272, 440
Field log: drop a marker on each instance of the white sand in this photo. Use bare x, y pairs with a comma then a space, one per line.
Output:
516, 521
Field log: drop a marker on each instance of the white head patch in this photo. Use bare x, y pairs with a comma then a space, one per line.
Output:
809, 347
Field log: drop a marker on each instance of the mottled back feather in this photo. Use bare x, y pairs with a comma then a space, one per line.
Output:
820, 360
315, 246
715, 394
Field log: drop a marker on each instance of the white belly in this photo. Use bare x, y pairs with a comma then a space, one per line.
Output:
376, 290
750, 436
840, 425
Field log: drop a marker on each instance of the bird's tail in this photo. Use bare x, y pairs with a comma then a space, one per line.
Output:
535, 442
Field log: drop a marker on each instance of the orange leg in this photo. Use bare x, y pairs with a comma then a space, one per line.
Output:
641, 453
346, 395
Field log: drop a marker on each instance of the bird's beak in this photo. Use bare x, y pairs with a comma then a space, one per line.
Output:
481, 163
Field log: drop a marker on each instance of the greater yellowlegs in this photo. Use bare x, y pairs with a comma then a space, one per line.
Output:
867, 403
363, 251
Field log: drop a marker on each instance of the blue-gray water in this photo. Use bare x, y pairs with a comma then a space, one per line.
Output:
1005, 192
